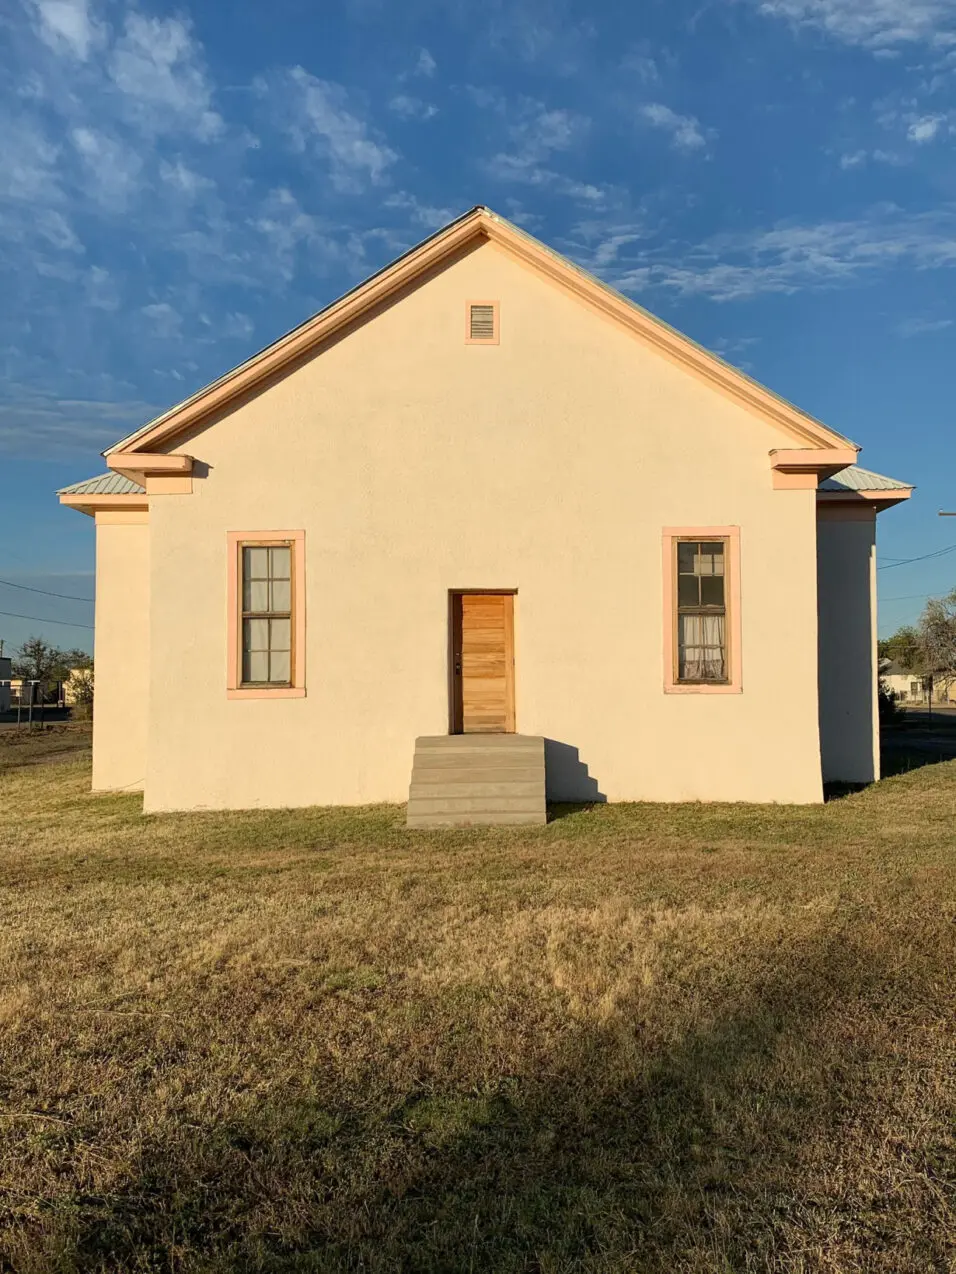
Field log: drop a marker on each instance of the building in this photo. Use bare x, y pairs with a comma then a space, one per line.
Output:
483, 493
5, 676
907, 687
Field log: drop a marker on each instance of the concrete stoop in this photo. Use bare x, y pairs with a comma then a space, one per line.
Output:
463, 780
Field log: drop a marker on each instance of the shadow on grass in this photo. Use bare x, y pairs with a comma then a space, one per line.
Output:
731, 1148
913, 742
567, 809
917, 740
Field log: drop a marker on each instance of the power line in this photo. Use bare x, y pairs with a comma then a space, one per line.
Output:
46, 592
924, 558
908, 597
67, 623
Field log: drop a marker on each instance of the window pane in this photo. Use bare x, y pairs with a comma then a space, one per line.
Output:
256, 563
255, 666
686, 553
712, 591
255, 634
281, 563
255, 595
280, 664
281, 595
701, 648
688, 590
281, 634
714, 550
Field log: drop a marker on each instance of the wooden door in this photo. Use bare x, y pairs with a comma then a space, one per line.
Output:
484, 671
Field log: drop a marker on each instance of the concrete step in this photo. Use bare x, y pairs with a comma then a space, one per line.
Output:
450, 742
478, 767
495, 819
472, 787
463, 780
475, 804
511, 767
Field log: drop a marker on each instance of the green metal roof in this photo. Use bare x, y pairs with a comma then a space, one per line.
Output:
105, 484
856, 479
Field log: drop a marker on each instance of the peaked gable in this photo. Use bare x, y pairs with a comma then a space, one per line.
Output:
476, 225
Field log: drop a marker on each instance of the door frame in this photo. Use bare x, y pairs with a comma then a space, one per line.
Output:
455, 705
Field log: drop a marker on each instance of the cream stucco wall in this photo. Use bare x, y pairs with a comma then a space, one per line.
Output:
122, 652
849, 718
417, 464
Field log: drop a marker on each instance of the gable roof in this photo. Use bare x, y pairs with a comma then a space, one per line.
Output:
104, 484
480, 223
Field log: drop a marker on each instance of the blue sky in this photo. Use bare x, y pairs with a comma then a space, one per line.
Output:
180, 185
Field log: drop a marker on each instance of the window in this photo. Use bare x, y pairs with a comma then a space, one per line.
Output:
702, 610
914, 689
481, 323
266, 615
266, 657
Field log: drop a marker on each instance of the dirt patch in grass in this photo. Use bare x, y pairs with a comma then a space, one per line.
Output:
41, 745
661, 1038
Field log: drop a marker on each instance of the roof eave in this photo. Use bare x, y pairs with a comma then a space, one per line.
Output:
93, 504
876, 500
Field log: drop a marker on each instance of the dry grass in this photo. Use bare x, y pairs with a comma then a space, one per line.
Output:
643, 1038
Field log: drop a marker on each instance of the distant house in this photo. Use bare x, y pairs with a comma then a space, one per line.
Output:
483, 494
5, 672
913, 688
74, 687
906, 686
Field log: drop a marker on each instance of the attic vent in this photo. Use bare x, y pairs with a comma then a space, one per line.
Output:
482, 323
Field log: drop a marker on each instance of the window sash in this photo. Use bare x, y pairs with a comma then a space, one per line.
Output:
266, 614
701, 622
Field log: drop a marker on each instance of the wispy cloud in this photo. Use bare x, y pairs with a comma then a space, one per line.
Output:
34, 422
913, 327
537, 135
114, 168
871, 24
684, 130
925, 129
318, 116
408, 107
164, 320
67, 26
790, 258
426, 64
428, 216
157, 66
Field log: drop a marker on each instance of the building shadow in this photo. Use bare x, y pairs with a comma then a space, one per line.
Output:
917, 739
569, 784
914, 740
609, 1149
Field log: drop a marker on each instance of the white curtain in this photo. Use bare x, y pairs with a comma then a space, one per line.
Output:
703, 648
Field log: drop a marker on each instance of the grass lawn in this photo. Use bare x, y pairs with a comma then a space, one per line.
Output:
643, 1038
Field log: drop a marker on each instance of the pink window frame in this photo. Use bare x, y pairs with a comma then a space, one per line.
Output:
235, 541
731, 534
475, 340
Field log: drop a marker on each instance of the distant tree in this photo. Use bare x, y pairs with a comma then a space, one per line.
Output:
37, 660
937, 640
903, 648
77, 659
